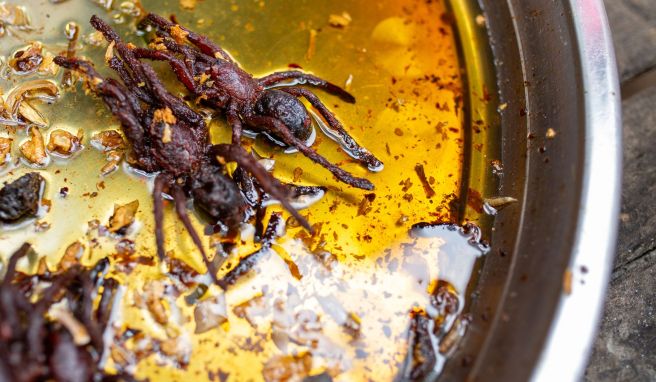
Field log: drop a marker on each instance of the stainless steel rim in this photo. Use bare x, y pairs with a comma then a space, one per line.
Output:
570, 338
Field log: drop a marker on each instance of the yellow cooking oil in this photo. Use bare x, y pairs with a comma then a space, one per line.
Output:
401, 62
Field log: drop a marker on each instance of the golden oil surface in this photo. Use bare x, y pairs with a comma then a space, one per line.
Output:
399, 59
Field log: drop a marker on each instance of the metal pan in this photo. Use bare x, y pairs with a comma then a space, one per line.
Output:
538, 301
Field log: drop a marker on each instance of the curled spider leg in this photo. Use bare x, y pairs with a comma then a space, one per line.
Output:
247, 263
203, 43
268, 183
337, 132
158, 211
302, 78
279, 129
181, 209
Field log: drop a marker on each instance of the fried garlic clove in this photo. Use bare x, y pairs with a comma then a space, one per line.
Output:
34, 150
123, 216
64, 143
29, 114
5, 150
108, 140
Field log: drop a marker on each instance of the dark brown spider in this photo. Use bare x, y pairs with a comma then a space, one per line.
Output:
169, 138
34, 347
213, 77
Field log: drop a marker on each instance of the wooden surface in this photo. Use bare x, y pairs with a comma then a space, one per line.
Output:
625, 349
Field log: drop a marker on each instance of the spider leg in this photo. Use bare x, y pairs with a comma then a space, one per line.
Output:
180, 208
181, 71
246, 161
13, 260
247, 263
302, 78
268, 183
9, 315
121, 102
34, 330
129, 80
178, 107
276, 127
336, 130
126, 54
158, 211
204, 44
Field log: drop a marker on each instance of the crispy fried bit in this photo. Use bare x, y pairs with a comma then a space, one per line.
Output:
567, 281
20, 198
179, 34
210, 313
109, 53
27, 60
71, 256
177, 349
48, 66
164, 115
64, 143
79, 332
5, 150
43, 90
94, 38
154, 292
551, 133
340, 21
166, 134
108, 140
312, 45
123, 216
282, 368
34, 150
13, 16
500, 201
29, 114
110, 167
188, 4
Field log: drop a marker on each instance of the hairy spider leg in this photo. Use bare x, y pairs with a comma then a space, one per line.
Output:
181, 209
124, 51
337, 131
270, 184
203, 43
303, 78
279, 129
144, 72
178, 107
158, 211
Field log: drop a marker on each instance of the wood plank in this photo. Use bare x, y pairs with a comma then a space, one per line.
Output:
633, 23
625, 348
637, 234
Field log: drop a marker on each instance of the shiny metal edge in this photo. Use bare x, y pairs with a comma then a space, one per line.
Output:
577, 318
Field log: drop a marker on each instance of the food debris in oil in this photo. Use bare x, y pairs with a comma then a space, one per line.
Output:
346, 282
